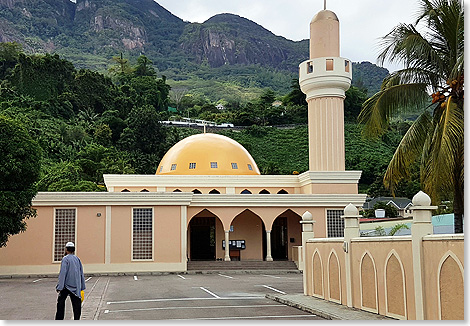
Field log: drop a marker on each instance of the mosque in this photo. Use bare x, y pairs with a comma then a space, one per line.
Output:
207, 192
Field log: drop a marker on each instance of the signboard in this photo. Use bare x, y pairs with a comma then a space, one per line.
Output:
234, 244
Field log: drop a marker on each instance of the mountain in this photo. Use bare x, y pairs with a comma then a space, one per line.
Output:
226, 47
231, 39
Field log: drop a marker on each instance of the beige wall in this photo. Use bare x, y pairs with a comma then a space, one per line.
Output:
249, 227
167, 228
90, 228
382, 277
329, 188
436, 251
33, 247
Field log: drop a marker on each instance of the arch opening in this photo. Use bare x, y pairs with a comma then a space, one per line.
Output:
205, 230
286, 232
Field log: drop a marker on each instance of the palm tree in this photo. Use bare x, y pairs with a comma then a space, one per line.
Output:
433, 61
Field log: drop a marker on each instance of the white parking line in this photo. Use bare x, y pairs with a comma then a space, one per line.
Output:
37, 280
247, 317
88, 279
182, 277
209, 292
257, 297
271, 288
224, 275
178, 308
135, 278
272, 276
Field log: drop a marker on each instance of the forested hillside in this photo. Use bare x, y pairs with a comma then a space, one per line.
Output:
88, 124
229, 50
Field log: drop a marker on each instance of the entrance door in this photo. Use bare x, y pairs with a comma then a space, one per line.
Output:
202, 235
279, 238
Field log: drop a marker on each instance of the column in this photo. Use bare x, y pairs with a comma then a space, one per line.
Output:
307, 233
108, 233
268, 246
421, 227
227, 246
351, 230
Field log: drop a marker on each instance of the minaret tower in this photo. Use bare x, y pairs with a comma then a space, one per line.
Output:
324, 78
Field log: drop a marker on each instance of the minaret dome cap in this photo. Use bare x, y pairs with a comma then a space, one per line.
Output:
325, 15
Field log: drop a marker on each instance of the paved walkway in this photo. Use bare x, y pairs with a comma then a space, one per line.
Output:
323, 308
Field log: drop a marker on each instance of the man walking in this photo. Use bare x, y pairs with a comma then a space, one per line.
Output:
71, 282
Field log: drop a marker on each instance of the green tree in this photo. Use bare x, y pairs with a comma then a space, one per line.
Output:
432, 59
144, 67
19, 170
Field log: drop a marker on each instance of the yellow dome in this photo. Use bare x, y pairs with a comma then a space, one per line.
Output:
207, 154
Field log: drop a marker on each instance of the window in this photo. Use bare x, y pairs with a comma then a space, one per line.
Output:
144, 190
161, 168
197, 191
264, 192
329, 64
125, 190
64, 230
142, 234
177, 190
309, 67
282, 192
346, 65
246, 191
335, 223
234, 166
192, 166
214, 191
250, 167
173, 167
213, 165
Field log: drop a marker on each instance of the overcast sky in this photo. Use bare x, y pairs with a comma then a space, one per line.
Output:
362, 22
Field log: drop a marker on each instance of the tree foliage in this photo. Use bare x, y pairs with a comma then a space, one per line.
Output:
433, 60
19, 170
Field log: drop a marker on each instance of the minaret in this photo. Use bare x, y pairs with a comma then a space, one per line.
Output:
324, 78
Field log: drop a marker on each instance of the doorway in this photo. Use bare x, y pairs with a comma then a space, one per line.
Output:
279, 239
202, 238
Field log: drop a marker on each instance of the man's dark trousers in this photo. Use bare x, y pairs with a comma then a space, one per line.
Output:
76, 305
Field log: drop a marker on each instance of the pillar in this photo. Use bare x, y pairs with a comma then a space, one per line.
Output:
227, 246
268, 246
421, 227
324, 78
351, 230
307, 233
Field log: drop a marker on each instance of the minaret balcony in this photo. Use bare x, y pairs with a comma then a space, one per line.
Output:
325, 77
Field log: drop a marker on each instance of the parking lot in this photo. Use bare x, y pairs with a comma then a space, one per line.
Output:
215, 296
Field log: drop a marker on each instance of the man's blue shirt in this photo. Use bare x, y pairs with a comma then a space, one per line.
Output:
71, 275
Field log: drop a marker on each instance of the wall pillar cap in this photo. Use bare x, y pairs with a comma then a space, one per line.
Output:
307, 216
421, 199
351, 211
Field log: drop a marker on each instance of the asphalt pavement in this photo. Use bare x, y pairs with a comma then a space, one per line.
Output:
198, 296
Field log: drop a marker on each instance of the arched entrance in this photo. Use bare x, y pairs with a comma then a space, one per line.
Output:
286, 232
203, 234
249, 228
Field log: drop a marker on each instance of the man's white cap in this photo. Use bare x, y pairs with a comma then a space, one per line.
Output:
70, 244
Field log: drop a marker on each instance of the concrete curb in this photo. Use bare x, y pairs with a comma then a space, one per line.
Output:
254, 271
323, 308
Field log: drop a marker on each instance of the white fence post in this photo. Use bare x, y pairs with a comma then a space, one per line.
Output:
307, 233
351, 230
422, 226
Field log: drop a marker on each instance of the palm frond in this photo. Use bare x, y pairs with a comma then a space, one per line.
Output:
444, 155
378, 109
408, 151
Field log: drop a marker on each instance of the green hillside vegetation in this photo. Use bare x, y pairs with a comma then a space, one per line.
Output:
88, 124
239, 57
